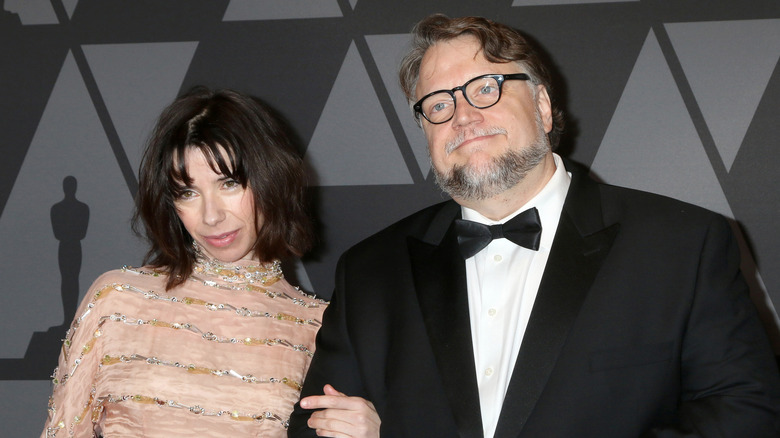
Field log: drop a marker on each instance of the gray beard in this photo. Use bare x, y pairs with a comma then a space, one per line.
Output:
501, 174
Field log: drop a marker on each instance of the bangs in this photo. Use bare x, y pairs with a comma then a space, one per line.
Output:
222, 160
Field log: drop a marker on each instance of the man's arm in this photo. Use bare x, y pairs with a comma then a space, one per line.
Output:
730, 381
334, 365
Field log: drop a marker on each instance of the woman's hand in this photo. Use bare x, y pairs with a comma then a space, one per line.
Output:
342, 416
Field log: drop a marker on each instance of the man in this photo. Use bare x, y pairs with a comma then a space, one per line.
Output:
619, 313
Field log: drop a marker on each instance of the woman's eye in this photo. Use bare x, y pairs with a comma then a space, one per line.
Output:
231, 183
187, 194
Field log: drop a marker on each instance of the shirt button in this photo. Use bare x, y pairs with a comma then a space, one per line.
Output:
492, 312
497, 258
489, 372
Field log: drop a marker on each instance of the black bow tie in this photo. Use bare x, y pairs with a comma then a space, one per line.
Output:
525, 230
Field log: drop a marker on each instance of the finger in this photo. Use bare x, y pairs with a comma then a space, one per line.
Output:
330, 390
360, 426
331, 427
327, 433
331, 433
331, 401
353, 422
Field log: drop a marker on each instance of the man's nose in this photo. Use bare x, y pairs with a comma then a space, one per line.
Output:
464, 113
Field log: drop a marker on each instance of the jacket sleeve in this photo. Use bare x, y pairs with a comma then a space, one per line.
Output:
334, 360
730, 385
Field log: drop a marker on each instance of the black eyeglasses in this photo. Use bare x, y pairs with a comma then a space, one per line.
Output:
481, 92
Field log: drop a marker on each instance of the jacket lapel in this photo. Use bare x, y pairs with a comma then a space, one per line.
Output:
580, 246
440, 282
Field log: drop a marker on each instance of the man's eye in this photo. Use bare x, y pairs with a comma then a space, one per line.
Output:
487, 89
438, 106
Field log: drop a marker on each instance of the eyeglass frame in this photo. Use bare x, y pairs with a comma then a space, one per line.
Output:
500, 78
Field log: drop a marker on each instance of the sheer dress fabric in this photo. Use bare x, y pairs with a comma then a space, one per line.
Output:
210, 358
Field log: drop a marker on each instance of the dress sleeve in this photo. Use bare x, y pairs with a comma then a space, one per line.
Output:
72, 408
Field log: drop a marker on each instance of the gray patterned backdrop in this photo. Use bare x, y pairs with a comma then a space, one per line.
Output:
678, 97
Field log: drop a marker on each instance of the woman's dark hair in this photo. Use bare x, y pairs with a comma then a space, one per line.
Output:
258, 153
500, 43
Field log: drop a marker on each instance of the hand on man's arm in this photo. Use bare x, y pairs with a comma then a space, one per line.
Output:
341, 415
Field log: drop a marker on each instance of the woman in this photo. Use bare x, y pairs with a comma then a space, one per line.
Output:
207, 339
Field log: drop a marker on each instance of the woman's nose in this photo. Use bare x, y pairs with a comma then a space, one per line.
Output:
213, 210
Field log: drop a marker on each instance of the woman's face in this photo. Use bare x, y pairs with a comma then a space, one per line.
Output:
217, 211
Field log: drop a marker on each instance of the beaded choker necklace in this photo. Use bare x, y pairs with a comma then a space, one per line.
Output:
263, 273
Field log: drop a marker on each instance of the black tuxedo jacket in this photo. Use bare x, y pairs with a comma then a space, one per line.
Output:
642, 326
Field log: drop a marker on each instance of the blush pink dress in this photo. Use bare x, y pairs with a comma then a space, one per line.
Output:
222, 355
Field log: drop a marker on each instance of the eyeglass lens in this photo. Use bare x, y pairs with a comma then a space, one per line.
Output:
480, 93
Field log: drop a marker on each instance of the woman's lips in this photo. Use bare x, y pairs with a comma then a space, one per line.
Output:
221, 240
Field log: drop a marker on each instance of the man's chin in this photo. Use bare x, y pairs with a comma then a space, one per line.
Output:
475, 167
467, 183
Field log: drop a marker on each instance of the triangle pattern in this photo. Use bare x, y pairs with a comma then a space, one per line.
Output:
28, 396
564, 2
353, 143
727, 88
155, 71
302, 278
353, 3
70, 6
387, 51
244, 10
651, 143
32, 12
662, 153
56, 151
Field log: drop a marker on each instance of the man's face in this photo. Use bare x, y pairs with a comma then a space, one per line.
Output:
477, 141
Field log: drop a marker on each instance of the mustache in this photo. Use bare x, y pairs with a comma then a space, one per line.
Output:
455, 143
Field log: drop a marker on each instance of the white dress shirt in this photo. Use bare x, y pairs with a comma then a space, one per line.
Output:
502, 282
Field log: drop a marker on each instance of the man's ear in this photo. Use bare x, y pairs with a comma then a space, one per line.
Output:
544, 106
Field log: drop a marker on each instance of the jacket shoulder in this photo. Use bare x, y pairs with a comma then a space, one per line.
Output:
633, 203
630, 201
415, 225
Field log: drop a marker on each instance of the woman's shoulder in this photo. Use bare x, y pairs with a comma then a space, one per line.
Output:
291, 298
129, 275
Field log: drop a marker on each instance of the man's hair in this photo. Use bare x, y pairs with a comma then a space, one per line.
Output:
499, 43
258, 154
